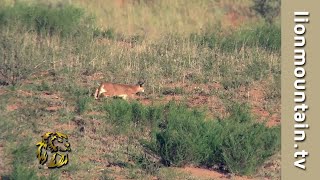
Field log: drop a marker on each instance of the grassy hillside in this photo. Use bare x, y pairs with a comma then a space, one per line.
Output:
212, 100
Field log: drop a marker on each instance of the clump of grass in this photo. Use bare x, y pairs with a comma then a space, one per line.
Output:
146, 164
173, 91
26, 29
36, 37
23, 154
182, 136
127, 115
248, 146
82, 98
44, 86
82, 104
257, 70
236, 142
268, 10
265, 36
43, 19
21, 158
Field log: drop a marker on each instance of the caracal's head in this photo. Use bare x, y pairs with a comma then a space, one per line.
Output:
140, 87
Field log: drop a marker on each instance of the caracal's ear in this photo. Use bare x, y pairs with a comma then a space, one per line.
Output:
140, 83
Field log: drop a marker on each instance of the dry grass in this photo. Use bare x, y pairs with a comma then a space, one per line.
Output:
155, 18
149, 41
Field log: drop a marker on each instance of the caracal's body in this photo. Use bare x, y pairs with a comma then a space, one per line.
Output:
118, 90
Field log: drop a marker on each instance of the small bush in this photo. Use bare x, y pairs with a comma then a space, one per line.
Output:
257, 70
240, 113
20, 173
182, 136
246, 146
82, 104
127, 115
267, 9
237, 142
233, 82
23, 154
44, 86
119, 112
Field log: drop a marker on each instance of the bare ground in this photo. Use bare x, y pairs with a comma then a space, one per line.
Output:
93, 144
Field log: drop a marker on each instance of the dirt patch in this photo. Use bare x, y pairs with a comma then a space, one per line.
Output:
169, 98
274, 120
201, 89
261, 113
162, 100
49, 95
53, 108
24, 93
200, 173
95, 113
271, 168
256, 97
61, 127
2, 91
13, 107
197, 101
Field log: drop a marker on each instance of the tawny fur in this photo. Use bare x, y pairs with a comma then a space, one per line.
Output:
118, 90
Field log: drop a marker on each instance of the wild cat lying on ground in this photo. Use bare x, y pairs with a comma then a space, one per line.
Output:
118, 90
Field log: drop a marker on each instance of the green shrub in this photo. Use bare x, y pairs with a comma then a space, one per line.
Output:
182, 136
20, 173
82, 103
240, 113
235, 81
236, 142
178, 141
126, 115
23, 154
246, 146
257, 70
267, 9
44, 86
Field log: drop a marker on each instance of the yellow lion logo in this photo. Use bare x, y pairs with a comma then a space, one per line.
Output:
52, 142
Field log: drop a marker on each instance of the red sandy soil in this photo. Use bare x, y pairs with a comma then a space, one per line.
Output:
13, 107
198, 94
254, 95
2, 91
209, 174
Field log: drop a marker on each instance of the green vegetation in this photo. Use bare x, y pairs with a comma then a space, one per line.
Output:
268, 10
246, 38
182, 136
22, 156
44, 20
193, 54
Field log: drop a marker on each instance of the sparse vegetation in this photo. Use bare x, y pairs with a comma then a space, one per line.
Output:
267, 9
183, 136
197, 60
